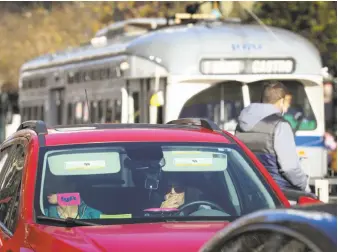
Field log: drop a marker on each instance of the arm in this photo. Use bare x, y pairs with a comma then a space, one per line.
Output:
285, 147
93, 213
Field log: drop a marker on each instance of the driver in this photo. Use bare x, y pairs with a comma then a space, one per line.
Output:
174, 197
289, 110
176, 194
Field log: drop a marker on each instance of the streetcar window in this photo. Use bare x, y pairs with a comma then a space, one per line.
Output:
79, 80
300, 107
36, 83
77, 77
26, 114
85, 117
29, 114
103, 74
42, 113
70, 114
96, 74
43, 82
109, 111
33, 83
38, 113
35, 112
70, 78
93, 111
118, 111
108, 73
221, 103
137, 110
88, 76
100, 113
83, 76
112, 73
78, 113
23, 114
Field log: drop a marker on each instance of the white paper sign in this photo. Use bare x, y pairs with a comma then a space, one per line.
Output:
193, 161
85, 165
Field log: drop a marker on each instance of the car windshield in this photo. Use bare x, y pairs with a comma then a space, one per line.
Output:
139, 181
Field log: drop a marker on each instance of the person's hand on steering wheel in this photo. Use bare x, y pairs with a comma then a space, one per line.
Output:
192, 206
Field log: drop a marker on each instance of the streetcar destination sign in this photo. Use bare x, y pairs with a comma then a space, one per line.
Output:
247, 66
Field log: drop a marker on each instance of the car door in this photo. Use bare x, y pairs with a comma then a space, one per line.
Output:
12, 159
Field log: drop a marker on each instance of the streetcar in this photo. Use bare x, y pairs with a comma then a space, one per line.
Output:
153, 70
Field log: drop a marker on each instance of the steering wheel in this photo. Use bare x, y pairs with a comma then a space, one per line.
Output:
199, 202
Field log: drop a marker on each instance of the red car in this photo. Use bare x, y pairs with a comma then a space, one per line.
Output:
126, 187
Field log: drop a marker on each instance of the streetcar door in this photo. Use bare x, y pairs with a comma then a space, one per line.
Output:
56, 103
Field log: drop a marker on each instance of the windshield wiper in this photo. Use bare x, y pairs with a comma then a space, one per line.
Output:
69, 222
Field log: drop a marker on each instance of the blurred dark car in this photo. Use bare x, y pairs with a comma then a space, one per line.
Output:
311, 228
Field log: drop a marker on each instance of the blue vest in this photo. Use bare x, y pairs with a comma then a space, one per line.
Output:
260, 140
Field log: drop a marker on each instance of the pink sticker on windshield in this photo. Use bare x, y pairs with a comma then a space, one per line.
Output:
69, 199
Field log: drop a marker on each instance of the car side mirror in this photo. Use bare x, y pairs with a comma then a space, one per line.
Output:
304, 200
300, 197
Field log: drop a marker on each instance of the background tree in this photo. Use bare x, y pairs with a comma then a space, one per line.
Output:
315, 20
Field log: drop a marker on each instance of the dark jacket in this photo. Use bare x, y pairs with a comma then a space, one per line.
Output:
262, 128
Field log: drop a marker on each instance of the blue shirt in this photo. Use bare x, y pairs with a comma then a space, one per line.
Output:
85, 212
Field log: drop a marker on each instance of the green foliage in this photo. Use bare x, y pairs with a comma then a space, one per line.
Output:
314, 20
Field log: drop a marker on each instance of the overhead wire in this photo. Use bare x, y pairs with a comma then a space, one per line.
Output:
260, 22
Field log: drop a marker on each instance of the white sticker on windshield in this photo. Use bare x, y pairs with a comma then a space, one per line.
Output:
193, 161
85, 165
186, 152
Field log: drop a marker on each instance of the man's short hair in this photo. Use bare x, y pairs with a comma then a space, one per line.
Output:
273, 92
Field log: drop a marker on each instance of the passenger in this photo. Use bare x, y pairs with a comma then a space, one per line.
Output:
263, 129
296, 117
80, 211
292, 115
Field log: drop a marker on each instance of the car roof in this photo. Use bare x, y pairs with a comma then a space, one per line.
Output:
182, 130
56, 137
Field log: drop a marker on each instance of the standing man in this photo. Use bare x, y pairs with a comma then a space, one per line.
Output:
263, 129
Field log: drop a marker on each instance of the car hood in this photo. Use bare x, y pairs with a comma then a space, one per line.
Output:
183, 236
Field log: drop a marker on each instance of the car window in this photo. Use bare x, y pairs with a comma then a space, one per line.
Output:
220, 103
11, 177
299, 106
138, 180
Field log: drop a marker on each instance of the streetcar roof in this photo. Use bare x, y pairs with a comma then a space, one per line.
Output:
146, 23
186, 45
